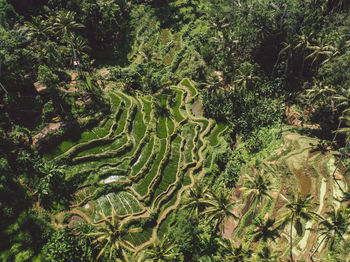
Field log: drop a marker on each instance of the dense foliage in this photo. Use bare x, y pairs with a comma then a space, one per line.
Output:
257, 64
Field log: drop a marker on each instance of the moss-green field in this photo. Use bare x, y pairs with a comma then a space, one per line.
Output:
132, 161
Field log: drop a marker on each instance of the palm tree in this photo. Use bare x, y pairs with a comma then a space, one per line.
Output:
36, 29
301, 46
265, 255
345, 198
320, 92
297, 209
111, 233
258, 186
233, 253
195, 201
264, 229
345, 118
160, 251
246, 77
65, 24
220, 208
345, 130
323, 51
336, 225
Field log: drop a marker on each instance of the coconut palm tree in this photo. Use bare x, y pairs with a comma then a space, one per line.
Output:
65, 24
219, 207
301, 46
321, 52
233, 253
297, 209
111, 233
245, 77
195, 201
333, 227
320, 92
36, 30
345, 198
160, 250
345, 118
264, 229
265, 255
258, 186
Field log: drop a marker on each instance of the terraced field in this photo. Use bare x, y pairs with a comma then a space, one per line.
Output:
294, 167
138, 163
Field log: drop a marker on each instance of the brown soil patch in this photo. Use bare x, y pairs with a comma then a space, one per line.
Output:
41, 88
51, 127
304, 181
293, 118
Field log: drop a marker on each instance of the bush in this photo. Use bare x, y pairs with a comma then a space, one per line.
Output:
48, 111
64, 246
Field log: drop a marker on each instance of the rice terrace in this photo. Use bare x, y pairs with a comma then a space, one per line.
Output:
145, 157
175, 130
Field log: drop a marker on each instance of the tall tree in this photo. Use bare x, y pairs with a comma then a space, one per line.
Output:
333, 227
195, 201
265, 255
111, 233
65, 24
264, 229
258, 186
160, 250
220, 207
233, 253
297, 209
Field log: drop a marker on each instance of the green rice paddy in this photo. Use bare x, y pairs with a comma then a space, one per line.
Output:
133, 161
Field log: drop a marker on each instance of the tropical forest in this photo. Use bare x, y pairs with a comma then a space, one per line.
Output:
174, 130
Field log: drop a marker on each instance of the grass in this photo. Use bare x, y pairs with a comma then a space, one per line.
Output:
143, 157
188, 133
147, 107
139, 127
161, 127
170, 125
138, 238
100, 149
165, 36
115, 101
176, 109
123, 203
169, 172
214, 135
146, 161
163, 228
161, 123
142, 187
188, 84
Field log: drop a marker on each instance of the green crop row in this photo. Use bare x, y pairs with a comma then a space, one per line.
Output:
142, 187
169, 173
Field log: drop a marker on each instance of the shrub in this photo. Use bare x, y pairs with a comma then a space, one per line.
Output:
64, 246
48, 111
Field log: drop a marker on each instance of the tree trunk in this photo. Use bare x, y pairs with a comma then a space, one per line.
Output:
291, 239
313, 253
341, 157
335, 135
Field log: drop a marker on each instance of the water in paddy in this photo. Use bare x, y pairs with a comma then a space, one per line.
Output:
197, 108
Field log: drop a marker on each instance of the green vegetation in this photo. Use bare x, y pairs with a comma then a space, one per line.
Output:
174, 130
